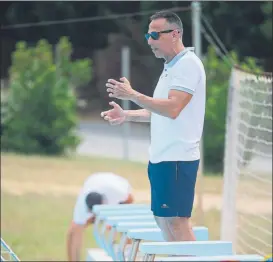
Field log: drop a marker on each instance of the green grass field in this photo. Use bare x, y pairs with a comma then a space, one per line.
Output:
35, 226
34, 219
73, 171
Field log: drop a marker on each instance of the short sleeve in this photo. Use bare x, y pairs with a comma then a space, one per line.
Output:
186, 76
81, 212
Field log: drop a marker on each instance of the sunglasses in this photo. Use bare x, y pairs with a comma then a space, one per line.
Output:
155, 35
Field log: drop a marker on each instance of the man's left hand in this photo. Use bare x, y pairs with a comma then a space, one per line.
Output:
121, 90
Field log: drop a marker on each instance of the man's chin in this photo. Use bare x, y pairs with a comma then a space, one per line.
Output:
157, 54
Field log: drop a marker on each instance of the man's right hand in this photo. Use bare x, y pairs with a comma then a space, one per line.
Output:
115, 116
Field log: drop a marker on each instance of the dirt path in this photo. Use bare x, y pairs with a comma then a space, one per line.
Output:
210, 201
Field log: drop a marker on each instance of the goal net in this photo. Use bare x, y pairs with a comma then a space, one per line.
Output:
247, 191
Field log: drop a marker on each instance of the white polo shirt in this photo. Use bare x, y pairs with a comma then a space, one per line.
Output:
178, 139
114, 188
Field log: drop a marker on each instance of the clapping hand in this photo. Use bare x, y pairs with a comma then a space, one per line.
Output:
115, 116
120, 89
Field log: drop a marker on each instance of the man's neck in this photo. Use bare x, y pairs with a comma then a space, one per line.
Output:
176, 51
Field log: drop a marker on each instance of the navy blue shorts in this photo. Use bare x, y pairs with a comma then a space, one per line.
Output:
173, 187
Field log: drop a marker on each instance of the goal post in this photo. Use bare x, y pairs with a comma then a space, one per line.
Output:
246, 217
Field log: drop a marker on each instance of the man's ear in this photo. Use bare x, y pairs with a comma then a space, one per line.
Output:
175, 33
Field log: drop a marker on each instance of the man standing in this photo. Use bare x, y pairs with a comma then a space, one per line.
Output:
99, 188
176, 112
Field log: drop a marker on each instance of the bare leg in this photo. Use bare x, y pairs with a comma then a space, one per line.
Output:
175, 229
163, 225
180, 228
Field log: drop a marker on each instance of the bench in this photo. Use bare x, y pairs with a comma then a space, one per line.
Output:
148, 232
142, 227
139, 227
101, 254
155, 234
185, 248
228, 258
212, 251
103, 212
98, 254
110, 221
121, 227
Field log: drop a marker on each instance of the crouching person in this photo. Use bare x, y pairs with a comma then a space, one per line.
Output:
99, 188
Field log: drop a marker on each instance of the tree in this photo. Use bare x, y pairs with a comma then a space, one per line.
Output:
266, 27
218, 74
40, 113
243, 27
81, 34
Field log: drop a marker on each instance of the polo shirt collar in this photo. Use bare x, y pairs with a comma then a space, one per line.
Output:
178, 56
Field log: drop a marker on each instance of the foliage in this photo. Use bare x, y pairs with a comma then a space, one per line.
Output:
236, 23
40, 112
266, 27
218, 74
243, 27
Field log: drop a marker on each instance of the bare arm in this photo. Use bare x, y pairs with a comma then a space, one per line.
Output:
170, 107
74, 240
141, 115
